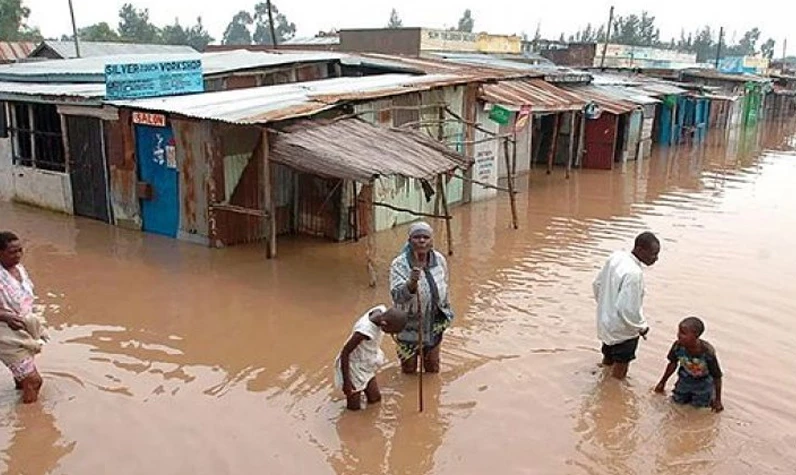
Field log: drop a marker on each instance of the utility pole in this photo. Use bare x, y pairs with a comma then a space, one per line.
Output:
785, 48
607, 36
74, 29
270, 22
718, 48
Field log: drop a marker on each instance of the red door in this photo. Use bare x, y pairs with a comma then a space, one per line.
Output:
600, 142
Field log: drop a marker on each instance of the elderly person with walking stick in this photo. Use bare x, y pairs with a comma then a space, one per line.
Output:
419, 286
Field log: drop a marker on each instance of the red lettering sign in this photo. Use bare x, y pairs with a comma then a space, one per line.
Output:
146, 118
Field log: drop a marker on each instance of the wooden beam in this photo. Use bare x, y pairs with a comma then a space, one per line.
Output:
446, 210
551, 154
267, 189
409, 211
571, 156
512, 197
371, 239
581, 140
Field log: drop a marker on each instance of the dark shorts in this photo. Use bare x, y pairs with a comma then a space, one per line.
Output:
696, 392
624, 352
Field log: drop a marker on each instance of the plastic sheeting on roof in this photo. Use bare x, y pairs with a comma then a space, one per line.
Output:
536, 93
353, 149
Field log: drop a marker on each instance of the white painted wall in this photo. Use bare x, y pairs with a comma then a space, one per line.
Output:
45, 189
6, 180
486, 155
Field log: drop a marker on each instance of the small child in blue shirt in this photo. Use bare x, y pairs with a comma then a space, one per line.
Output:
699, 375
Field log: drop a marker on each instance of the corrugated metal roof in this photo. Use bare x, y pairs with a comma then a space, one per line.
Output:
314, 40
550, 72
541, 96
632, 94
93, 69
658, 89
407, 64
274, 103
66, 49
719, 76
26, 90
14, 51
356, 150
607, 101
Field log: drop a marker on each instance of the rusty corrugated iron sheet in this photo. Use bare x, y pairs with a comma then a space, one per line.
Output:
287, 101
356, 150
607, 102
424, 65
536, 93
13, 51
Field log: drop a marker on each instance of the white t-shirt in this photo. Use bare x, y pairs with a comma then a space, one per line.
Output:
619, 292
366, 359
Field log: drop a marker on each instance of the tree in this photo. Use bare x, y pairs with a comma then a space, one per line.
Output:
395, 20
13, 22
747, 45
588, 34
636, 31
174, 34
466, 22
198, 37
237, 33
283, 29
767, 49
134, 25
98, 32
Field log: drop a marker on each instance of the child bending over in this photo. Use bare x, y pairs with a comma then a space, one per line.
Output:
361, 357
699, 376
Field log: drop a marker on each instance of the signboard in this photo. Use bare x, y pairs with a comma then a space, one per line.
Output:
499, 114
146, 118
139, 80
522, 118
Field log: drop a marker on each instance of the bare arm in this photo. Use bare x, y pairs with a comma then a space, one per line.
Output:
11, 319
345, 364
668, 372
717, 404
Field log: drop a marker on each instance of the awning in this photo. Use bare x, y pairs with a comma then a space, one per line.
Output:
607, 101
356, 150
536, 93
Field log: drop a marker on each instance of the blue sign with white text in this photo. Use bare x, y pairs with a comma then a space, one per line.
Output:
139, 80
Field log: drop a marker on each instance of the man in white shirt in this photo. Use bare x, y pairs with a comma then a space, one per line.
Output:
619, 292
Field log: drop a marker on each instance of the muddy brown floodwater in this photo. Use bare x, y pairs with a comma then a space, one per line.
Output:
169, 358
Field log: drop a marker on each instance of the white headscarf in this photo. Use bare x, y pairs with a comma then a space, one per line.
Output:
421, 227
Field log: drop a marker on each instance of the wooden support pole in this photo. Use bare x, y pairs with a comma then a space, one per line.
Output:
371, 239
512, 197
446, 210
581, 140
571, 157
268, 197
551, 154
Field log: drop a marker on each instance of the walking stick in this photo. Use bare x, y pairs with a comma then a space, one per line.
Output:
419, 345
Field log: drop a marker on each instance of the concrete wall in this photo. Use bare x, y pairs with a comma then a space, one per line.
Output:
6, 180
499, 44
450, 41
45, 189
387, 41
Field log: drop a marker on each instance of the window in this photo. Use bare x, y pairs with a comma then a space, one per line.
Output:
37, 136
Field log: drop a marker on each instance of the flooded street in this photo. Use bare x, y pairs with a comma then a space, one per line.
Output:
170, 358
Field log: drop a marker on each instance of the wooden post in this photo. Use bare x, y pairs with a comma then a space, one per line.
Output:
512, 198
571, 143
420, 348
551, 154
444, 198
581, 140
268, 197
371, 239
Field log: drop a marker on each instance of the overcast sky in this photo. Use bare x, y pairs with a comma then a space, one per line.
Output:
774, 18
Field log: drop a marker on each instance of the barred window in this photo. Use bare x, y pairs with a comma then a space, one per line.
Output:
37, 137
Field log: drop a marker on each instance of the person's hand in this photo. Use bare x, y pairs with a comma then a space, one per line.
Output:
716, 405
348, 388
14, 322
660, 388
643, 332
414, 276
